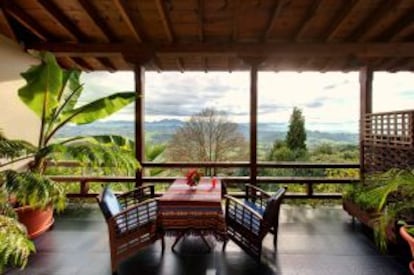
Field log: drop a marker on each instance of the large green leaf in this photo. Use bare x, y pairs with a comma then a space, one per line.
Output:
44, 82
100, 108
71, 91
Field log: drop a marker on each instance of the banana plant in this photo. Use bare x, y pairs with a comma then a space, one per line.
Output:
53, 93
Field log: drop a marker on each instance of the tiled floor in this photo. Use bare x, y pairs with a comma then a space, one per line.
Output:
311, 241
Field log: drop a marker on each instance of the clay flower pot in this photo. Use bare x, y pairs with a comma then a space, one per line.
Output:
37, 221
410, 240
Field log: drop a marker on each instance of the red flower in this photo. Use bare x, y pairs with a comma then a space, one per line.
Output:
193, 177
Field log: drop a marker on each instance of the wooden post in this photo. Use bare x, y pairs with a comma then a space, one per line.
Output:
365, 81
139, 73
253, 123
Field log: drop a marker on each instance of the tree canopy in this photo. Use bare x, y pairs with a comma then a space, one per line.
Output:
296, 136
207, 136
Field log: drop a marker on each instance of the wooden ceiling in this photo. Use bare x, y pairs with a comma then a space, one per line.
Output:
181, 35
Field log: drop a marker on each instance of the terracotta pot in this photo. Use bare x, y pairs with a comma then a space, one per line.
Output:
410, 240
36, 221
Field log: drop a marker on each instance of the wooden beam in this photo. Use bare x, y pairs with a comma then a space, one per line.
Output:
84, 65
165, 19
180, 64
237, 6
314, 50
390, 33
61, 19
230, 64
311, 12
25, 20
365, 82
8, 31
339, 18
139, 73
107, 63
98, 21
372, 20
253, 120
277, 9
119, 5
157, 63
200, 17
205, 62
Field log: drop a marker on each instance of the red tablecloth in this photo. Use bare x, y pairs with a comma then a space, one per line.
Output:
194, 210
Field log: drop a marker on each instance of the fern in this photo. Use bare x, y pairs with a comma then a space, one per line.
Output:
15, 247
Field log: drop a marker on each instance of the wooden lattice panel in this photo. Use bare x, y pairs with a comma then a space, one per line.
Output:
391, 130
382, 158
388, 140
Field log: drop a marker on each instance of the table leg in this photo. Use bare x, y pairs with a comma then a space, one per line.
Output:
183, 233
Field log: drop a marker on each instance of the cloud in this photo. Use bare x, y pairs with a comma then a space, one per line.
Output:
324, 98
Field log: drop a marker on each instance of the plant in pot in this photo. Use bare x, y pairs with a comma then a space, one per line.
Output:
52, 93
390, 197
15, 246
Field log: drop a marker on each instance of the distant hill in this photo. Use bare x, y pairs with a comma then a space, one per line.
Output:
161, 131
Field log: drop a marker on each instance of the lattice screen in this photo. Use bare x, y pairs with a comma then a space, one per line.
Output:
389, 140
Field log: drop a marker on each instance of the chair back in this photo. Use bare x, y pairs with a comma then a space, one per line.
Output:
271, 213
108, 203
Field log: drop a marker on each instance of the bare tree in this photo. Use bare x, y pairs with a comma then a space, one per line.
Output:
208, 136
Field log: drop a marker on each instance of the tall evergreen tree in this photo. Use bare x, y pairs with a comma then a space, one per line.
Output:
296, 136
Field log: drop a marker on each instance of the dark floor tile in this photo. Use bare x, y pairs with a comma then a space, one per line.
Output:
311, 241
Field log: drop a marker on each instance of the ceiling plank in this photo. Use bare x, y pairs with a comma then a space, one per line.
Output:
394, 49
310, 14
165, 19
277, 9
127, 19
339, 18
61, 19
380, 11
99, 22
200, 17
25, 20
399, 25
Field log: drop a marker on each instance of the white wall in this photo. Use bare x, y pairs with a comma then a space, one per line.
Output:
16, 120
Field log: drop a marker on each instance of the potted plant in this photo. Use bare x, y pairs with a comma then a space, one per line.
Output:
386, 198
15, 246
52, 93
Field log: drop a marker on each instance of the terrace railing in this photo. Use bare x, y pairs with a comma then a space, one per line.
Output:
308, 181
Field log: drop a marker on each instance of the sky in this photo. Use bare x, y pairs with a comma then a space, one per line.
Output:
329, 101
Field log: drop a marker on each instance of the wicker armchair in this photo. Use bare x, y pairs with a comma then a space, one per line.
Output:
248, 221
132, 221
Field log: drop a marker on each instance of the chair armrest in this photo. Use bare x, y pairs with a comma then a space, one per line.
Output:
134, 217
136, 195
241, 215
256, 195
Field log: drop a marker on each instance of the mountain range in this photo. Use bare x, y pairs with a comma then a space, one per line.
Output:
161, 131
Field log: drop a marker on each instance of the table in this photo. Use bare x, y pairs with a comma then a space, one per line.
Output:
185, 211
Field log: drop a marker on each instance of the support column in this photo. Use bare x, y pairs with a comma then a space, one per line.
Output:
254, 63
253, 123
365, 81
139, 73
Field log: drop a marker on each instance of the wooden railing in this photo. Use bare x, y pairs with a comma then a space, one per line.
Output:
391, 129
309, 182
